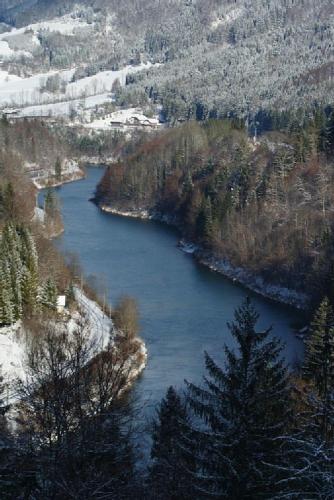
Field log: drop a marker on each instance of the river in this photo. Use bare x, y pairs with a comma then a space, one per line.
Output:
184, 306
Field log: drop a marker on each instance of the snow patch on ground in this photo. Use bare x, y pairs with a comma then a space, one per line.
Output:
28, 92
255, 283
101, 330
16, 91
6, 78
44, 175
65, 108
102, 81
134, 214
7, 53
12, 356
5, 50
39, 215
100, 325
98, 161
66, 25
228, 18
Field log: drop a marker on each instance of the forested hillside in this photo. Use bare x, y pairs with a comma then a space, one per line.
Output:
51, 153
215, 116
32, 271
253, 56
266, 206
217, 57
62, 369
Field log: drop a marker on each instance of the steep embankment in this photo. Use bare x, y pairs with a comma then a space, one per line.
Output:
15, 342
33, 277
260, 213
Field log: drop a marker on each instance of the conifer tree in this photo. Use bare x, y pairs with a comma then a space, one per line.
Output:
9, 201
70, 293
10, 250
173, 465
205, 221
19, 273
49, 294
6, 298
319, 362
58, 169
30, 270
245, 407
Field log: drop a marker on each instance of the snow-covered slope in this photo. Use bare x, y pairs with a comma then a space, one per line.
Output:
30, 92
98, 325
68, 25
12, 356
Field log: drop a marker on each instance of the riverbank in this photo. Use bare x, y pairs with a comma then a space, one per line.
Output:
240, 275
184, 308
53, 228
101, 325
101, 331
46, 182
252, 281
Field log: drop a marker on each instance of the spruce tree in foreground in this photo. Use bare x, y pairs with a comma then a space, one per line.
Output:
244, 407
171, 470
319, 365
308, 456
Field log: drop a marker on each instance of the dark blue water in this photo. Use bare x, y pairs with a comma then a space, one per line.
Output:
184, 306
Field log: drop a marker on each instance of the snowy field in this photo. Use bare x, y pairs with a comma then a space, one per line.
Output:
65, 108
228, 18
13, 343
12, 355
28, 92
17, 91
56, 93
10, 41
7, 53
66, 25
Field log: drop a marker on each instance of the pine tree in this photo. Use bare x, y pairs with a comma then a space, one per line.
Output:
319, 363
245, 407
19, 273
6, 297
70, 293
172, 467
50, 203
58, 169
205, 222
9, 201
10, 250
49, 294
30, 277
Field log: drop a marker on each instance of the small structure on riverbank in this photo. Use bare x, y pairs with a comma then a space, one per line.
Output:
61, 303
